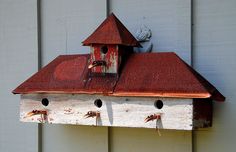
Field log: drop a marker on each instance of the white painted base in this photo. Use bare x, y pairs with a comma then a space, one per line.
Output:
115, 111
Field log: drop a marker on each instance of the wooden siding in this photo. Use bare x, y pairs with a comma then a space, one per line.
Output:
18, 60
214, 53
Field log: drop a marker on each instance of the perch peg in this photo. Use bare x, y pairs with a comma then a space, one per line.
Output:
36, 112
97, 63
42, 113
153, 117
93, 114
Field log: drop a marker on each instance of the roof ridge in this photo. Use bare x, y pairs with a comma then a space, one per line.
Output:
117, 27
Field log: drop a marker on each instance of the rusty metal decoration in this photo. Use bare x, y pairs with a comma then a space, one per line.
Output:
153, 117
157, 117
97, 63
92, 114
42, 113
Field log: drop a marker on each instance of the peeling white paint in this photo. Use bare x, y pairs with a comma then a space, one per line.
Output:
115, 111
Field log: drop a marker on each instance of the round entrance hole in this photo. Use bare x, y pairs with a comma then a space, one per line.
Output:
158, 104
104, 49
98, 103
45, 101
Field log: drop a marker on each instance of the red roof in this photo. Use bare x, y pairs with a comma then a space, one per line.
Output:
144, 74
111, 31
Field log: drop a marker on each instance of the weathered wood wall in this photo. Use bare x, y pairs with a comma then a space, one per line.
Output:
18, 60
214, 56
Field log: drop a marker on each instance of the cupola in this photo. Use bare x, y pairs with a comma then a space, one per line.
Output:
108, 43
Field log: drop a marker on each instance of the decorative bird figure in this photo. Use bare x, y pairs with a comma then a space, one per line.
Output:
97, 63
143, 35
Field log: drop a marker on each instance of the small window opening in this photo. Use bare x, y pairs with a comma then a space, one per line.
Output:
158, 104
104, 49
98, 103
45, 101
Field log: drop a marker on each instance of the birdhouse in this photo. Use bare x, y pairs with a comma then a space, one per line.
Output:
113, 86
109, 42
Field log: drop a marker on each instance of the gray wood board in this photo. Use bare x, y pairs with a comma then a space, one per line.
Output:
214, 53
169, 21
18, 60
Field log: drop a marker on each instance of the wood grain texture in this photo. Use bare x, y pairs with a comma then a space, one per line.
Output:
115, 111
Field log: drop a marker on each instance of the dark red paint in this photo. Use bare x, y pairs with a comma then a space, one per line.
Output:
111, 58
67, 74
111, 31
144, 74
163, 74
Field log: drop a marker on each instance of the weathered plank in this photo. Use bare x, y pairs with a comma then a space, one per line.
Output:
115, 111
18, 60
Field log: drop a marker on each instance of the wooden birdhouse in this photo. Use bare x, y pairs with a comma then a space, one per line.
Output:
109, 42
149, 90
